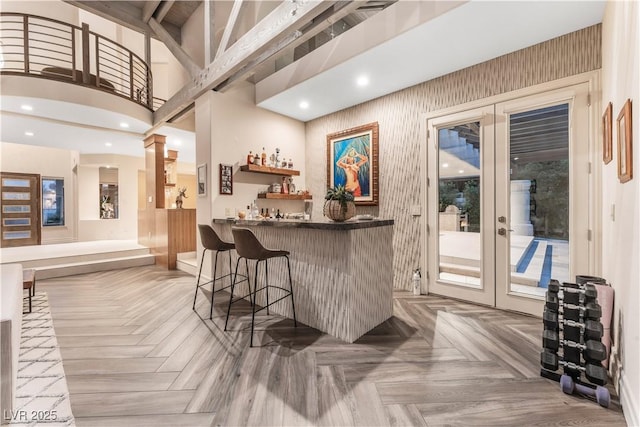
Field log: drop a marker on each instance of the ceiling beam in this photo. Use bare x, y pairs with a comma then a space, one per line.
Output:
148, 9
282, 21
209, 32
164, 8
228, 29
124, 14
173, 46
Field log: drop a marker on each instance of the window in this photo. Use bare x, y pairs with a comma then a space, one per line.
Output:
52, 202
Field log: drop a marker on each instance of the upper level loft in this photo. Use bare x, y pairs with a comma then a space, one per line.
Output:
46, 48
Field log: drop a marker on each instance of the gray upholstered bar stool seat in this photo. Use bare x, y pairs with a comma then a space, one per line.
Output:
211, 241
249, 247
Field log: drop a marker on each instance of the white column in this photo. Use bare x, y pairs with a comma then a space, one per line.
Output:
520, 223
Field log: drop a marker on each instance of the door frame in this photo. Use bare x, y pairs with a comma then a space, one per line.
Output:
592, 78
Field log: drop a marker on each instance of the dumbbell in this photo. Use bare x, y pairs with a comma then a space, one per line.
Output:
568, 385
573, 293
595, 373
591, 310
592, 350
591, 329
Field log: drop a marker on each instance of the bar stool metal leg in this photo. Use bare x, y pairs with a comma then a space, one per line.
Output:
293, 307
253, 306
198, 281
213, 284
266, 280
233, 285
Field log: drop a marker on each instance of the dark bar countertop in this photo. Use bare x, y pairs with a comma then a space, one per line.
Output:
324, 224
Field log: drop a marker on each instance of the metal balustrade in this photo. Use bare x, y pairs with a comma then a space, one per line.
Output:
47, 48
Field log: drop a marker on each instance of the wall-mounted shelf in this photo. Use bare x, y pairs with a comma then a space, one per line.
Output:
269, 170
281, 196
169, 184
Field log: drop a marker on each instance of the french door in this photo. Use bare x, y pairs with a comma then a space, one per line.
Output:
510, 183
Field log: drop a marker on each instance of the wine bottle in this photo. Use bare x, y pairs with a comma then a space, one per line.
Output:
250, 158
264, 157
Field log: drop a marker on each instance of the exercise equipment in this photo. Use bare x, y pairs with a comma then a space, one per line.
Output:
571, 338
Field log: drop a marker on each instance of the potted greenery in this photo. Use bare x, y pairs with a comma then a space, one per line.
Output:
339, 204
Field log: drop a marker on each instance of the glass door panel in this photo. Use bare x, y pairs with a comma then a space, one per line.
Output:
460, 169
459, 194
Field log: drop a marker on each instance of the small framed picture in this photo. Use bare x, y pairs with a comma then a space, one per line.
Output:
625, 144
202, 180
226, 179
607, 134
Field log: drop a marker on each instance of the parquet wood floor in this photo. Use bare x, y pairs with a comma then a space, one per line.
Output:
135, 354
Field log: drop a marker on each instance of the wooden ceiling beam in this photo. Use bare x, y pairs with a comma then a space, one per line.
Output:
149, 9
164, 8
175, 48
228, 29
124, 14
281, 22
322, 21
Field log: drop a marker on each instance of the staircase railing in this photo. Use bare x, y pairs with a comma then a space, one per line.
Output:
48, 48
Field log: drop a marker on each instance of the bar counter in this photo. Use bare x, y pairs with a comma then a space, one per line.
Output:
342, 272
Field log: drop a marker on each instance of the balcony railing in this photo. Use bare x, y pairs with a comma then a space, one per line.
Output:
47, 48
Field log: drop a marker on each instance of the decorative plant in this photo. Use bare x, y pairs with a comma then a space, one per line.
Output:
340, 194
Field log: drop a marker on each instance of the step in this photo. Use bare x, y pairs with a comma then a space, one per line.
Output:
187, 262
94, 265
531, 276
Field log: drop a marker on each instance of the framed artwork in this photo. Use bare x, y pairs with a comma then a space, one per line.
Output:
625, 144
607, 134
202, 180
226, 179
352, 161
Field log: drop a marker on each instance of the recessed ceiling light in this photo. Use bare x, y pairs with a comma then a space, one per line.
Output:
304, 105
108, 144
28, 133
124, 125
516, 158
26, 107
445, 165
461, 171
362, 81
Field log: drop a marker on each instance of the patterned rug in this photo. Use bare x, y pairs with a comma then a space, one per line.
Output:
42, 396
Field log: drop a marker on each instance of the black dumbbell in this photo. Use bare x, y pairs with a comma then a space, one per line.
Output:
591, 329
591, 350
591, 310
573, 293
594, 373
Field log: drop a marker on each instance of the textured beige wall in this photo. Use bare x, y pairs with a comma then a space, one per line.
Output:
620, 232
399, 116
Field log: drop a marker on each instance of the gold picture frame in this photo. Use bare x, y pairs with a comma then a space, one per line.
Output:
607, 134
352, 161
625, 143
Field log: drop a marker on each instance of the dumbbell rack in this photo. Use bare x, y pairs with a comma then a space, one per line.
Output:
572, 340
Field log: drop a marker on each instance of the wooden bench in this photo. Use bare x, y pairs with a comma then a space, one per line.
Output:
29, 283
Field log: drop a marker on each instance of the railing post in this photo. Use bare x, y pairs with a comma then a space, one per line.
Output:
25, 36
131, 77
74, 75
86, 65
149, 88
97, 37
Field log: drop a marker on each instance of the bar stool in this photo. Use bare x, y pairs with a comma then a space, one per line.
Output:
211, 241
29, 283
249, 247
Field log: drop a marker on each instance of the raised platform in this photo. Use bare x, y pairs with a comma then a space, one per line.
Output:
67, 259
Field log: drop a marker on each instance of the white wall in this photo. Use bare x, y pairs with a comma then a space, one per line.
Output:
621, 233
52, 163
60, 10
90, 226
239, 126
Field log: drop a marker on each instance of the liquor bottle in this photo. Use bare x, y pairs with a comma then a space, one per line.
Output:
249, 212
278, 215
273, 213
290, 164
264, 157
250, 158
256, 159
262, 212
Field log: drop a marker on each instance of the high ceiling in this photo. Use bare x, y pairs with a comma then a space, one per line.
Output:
413, 49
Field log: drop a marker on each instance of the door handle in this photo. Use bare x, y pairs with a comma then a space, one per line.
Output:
502, 219
502, 231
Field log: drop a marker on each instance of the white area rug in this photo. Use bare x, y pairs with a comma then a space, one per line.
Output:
42, 396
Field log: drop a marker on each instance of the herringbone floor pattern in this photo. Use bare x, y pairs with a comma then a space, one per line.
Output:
136, 354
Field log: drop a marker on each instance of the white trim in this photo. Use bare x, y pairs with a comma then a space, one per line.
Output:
628, 402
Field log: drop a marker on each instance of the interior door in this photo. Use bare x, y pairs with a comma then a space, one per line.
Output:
542, 206
20, 209
461, 245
